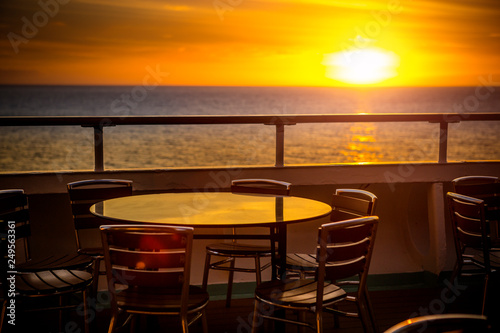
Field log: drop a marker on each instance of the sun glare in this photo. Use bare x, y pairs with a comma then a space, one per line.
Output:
362, 66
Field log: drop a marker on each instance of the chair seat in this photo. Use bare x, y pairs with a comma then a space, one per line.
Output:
298, 293
160, 299
238, 249
477, 256
301, 261
52, 281
68, 261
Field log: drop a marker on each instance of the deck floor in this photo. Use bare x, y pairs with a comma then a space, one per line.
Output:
390, 307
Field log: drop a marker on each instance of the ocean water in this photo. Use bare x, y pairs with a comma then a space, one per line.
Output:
161, 146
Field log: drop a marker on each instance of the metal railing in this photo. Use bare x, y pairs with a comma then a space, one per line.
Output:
279, 121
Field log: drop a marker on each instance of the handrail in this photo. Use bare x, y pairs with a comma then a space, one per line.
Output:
271, 119
99, 122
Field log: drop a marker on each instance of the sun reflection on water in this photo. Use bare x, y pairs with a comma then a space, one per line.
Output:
362, 145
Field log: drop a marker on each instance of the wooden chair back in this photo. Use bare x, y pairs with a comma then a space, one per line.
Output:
149, 256
261, 186
85, 193
486, 188
44, 277
14, 224
470, 228
352, 203
476, 186
345, 249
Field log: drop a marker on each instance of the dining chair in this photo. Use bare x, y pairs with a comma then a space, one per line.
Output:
83, 194
471, 234
39, 282
346, 204
237, 250
344, 249
148, 272
443, 323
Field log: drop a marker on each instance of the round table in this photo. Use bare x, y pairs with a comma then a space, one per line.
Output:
216, 210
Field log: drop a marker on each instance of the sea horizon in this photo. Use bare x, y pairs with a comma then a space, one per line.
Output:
129, 147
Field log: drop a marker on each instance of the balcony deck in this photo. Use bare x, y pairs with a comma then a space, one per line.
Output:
390, 307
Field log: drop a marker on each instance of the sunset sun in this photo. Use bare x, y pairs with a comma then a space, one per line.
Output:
361, 66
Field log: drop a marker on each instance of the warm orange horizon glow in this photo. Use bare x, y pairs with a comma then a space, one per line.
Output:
250, 43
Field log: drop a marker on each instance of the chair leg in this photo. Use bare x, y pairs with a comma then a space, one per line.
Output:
485, 293
365, 316
204, 321
4, 310
319, 322
258, 276
61, 314
95, 277
185, 324
230, 284
369, 310
255, 316
205, 271
86, 312
112, 323
362, 315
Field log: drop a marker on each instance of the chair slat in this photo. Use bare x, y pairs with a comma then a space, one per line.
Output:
148, 260
147, 241
261, 186
68, 261
12, 200
52, 282
468, 224
342, 215
352, 204
478, 190
346, 252
467, 209
349, 235
470, 239
144, 278
22, 229
102, 192
343, 271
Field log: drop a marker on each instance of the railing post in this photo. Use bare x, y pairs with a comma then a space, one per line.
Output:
98, 148
443, 142
280, 145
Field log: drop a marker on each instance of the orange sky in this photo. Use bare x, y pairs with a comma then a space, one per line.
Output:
244, 42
